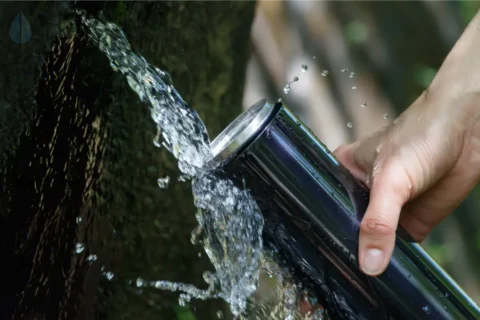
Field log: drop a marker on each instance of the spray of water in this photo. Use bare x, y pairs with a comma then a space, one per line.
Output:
230, 223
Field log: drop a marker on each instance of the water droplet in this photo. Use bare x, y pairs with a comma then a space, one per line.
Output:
344, 70
280, 100
79, 220
354, 88
219, 314
446, 295
325, 73
167, 146
427, 309
157, 141
304, 68
287, 87
139, 282
182, 178
352, 74
314, 58
79, 247
163, 182
109, 275
385, 116
363, 105
269, 133
181, 302
20, 30
350, 125
199, 254
195, 235
92, 258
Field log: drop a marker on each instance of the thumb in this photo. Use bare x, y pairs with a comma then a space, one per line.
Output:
390, 190
346, 155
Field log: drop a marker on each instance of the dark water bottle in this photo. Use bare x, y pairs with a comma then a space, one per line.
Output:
313, 207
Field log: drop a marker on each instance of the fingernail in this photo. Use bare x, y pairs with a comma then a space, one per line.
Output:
372, 262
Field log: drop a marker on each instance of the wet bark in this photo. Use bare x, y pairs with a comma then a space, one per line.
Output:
79, 173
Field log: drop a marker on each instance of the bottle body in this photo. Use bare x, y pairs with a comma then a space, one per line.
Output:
312, 208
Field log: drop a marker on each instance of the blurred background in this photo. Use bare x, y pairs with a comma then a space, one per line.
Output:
367, 62
359, 65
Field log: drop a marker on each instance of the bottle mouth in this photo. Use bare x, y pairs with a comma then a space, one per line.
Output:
239, 132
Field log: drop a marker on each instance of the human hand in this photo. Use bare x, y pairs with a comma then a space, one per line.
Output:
420, 168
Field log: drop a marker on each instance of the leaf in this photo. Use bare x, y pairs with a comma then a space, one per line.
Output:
20, 29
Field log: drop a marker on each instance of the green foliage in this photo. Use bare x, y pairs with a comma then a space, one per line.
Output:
423, 75
184, 313
477, 241
468, 9
439, 253
356, 32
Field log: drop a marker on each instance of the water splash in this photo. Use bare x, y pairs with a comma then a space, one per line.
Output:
182, 131
363, 105
324, 73
288, 299
349, 125
318, 314
230, 223
304, 68
232, 235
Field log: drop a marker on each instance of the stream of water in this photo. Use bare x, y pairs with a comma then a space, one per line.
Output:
229, 222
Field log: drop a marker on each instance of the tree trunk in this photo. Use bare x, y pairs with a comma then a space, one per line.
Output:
79, 175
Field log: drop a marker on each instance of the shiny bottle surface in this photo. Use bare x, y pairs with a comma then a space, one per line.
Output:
312, 208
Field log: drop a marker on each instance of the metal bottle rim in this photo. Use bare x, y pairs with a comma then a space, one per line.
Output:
238, 133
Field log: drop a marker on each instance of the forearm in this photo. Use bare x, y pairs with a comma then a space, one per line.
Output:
459, 74
455, 90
